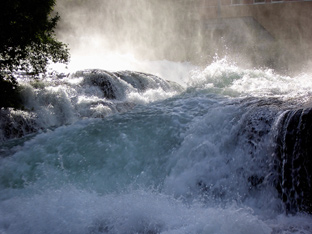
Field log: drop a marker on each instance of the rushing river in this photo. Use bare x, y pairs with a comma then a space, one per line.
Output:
129, 152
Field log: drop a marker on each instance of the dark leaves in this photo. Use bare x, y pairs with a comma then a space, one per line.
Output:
27, 38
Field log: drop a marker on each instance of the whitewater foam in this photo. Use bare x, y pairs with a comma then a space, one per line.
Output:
165, 159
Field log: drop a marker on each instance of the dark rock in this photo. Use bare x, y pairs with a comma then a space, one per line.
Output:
135, 79
16, 124
291, 170
115, 85
255, 181
294, 160
104, 81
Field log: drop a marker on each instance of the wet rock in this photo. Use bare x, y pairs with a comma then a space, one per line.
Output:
255, 181
290, 137
102, 79
16, 123
294, 160
115, 85
54, 102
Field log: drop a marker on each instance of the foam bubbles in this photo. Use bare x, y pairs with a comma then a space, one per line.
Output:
194, 160
71, 210
226, 78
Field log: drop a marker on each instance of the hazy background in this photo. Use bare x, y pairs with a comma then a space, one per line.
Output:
184, 31
153, 29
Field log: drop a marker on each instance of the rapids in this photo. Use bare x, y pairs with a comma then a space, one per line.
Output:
97, 151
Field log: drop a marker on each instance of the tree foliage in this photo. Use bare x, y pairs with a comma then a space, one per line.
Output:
27, 41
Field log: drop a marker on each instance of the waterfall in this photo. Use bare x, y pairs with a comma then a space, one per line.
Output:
293, 155
226, 151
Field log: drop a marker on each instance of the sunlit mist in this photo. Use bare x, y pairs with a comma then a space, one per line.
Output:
117, 34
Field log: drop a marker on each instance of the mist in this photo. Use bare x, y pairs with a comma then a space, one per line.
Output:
118, 34
146, 29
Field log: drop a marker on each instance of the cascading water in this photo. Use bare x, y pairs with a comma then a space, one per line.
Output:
294, 159
90, 93
227, 151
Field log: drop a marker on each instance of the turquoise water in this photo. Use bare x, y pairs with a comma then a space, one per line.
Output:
177, 160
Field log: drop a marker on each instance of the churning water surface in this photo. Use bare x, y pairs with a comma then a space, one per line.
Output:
158, 157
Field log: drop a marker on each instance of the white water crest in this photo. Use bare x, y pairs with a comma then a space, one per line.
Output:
229, 79
158, 157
